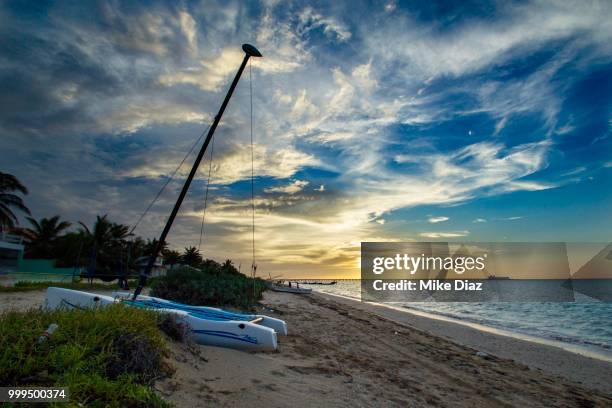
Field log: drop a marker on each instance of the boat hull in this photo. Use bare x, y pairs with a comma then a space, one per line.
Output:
287, 289
206, 312
242, 335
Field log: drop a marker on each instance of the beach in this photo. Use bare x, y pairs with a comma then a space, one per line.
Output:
341, 352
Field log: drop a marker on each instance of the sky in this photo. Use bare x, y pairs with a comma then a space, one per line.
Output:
372, 121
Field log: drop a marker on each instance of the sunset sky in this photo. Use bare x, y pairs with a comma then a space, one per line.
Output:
373, 121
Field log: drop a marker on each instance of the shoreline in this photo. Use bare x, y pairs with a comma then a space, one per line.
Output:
553, 357
593, 352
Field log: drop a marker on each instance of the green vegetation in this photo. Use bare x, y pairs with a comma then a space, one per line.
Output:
106, 357
25, 286
191, 256
213, 284
108, 250
43, 236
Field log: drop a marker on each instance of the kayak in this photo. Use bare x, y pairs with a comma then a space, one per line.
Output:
243, 334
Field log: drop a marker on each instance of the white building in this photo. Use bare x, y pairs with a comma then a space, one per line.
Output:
159, 269
11, 252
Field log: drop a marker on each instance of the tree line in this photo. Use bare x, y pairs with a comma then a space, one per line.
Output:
105, 249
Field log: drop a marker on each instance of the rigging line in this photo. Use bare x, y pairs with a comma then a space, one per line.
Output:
212, 149
159, 193
253, 266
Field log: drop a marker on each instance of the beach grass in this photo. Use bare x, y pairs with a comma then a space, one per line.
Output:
106, 357
210, 286
25, 286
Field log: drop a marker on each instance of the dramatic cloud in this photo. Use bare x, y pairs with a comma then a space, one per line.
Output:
363, 128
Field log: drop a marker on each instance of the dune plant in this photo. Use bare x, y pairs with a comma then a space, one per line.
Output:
106, 357
213, 285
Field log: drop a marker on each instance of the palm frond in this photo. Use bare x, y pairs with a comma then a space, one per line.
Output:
10, 183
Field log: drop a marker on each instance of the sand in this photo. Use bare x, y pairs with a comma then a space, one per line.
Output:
591, 372
339, 353
343, 353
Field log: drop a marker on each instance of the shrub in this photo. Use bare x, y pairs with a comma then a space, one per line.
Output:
106, 357
213, 285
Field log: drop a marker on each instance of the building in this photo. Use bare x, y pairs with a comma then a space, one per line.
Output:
159, 269
11, 252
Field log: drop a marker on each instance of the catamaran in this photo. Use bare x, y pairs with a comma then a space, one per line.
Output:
208, 326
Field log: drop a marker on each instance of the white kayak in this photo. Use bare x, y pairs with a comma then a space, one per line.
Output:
238, 334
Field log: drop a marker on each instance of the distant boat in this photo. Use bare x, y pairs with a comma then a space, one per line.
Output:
280, 287
319, 283
493, 277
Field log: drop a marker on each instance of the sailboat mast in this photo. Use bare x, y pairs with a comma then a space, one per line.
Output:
249, 51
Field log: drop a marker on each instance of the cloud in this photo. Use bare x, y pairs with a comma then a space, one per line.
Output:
311, 20
453, 234
513, 218
283, 47
190, 30
294, 187
211, 74
303, 107
232, 163
469, 47
390, 6
573, 172
435, 220
479, 220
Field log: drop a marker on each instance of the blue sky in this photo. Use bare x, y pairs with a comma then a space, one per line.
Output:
373, 121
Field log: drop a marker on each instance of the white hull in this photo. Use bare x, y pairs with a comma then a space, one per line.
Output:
242, 335
283, 288
279, 326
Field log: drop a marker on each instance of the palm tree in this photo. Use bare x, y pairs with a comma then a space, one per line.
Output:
108, 246
44, 235
228, 267
171, 257
191, 256
150, 246
9, 185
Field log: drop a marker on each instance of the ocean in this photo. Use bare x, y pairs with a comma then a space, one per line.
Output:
584, 323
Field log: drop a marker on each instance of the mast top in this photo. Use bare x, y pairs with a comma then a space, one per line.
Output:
250, 50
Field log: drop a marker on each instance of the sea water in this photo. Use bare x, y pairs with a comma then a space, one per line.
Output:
584, 322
